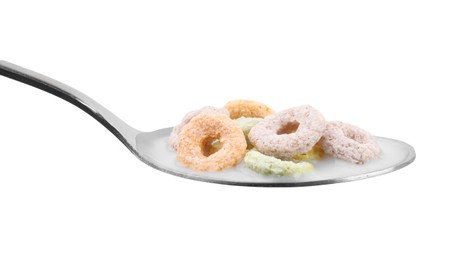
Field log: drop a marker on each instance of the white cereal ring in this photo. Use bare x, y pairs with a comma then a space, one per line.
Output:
288, 133
349, 142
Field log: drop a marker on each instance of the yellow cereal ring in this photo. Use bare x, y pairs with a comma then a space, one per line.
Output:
316, 154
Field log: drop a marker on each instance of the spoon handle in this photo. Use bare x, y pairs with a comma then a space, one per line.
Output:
125, 133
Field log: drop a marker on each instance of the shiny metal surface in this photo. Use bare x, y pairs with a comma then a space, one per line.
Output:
151, 147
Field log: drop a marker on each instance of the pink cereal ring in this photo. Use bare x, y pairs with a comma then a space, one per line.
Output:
289, 132
349, 142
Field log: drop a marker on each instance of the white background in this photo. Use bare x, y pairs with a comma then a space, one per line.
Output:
70, 190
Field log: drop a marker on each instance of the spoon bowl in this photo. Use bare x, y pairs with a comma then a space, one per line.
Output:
152, 149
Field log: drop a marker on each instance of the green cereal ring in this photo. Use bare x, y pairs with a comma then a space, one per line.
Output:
268, 165
246, 124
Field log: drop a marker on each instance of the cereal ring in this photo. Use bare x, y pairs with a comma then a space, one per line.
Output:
349, 142
246, 124
200, 133
174, 139
288, 133
268, 165
247, 108
315, 154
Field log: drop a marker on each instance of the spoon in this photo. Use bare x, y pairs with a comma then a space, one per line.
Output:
152, 149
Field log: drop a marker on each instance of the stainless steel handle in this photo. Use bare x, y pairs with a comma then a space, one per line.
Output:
125, 133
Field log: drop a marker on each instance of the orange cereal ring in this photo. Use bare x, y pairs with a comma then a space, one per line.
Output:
174, 139
198, 135
247, 108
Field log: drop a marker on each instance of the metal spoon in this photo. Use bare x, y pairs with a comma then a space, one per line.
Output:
151, 147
